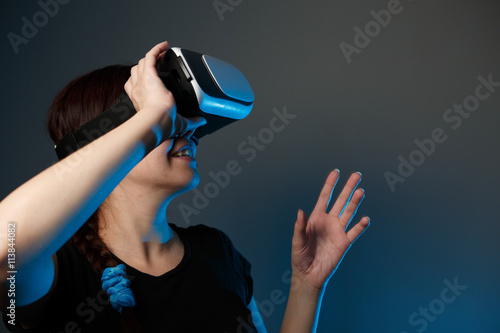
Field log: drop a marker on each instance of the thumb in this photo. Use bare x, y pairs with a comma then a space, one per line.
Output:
299, 232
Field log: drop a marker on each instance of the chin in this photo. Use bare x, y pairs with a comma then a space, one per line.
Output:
195, 180
189, 183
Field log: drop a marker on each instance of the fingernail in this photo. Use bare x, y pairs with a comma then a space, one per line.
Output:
337, 170
359, 173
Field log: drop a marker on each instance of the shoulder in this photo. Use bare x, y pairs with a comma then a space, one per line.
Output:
211, 240
195, 229
217, 247
215, 241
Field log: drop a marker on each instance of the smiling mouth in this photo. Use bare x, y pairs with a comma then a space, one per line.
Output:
184, 152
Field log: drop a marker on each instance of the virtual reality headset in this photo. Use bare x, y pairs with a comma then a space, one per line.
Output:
201, 85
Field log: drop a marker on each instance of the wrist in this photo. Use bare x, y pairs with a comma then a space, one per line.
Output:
302, 310
305, 290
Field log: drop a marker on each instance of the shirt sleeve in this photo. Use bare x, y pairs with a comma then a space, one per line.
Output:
29, 314
73, 273
240, 264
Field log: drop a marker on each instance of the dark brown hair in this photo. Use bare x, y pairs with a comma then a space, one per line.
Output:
80, 101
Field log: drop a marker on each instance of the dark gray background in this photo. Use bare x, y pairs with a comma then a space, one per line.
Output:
441, 223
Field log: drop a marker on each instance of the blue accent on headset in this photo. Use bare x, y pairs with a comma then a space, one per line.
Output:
202, 86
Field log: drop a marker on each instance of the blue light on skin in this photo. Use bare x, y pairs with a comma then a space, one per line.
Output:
160, 230
158, 133
320, 302
37, 277
36, 273
322, 292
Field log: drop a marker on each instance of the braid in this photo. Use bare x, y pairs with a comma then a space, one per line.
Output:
90, 244
80, 101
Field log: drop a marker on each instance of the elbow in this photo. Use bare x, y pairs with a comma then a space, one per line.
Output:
3, 262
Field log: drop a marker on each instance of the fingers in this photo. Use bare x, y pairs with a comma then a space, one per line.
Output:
299, 232
128, 86
144, 87
326, 193
160, 55
358, 229
152, 55
150, 58
352, 207
346, 193
133, 75
140, 66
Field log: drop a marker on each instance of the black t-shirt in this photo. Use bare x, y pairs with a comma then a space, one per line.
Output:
207, 292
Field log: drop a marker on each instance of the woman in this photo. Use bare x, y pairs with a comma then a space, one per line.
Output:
110, 198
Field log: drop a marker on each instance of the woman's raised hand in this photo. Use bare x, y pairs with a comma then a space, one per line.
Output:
147, 91
320, 243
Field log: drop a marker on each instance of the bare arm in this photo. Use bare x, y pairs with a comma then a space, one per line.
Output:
51, 207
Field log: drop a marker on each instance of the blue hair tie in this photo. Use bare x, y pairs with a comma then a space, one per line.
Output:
116, 284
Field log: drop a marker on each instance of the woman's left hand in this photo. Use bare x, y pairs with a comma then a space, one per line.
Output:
320, 243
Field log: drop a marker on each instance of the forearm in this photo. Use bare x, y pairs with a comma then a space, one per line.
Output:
51, 207
302, 309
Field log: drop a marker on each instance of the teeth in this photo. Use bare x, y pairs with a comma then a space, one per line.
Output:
184, 152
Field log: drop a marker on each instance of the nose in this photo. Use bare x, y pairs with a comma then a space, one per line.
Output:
189, 136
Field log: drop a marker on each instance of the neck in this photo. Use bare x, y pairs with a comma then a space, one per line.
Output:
135, 225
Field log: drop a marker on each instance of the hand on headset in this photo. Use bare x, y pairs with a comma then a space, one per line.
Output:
147, 91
